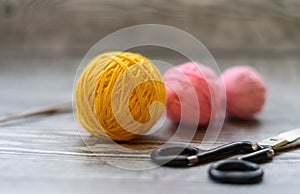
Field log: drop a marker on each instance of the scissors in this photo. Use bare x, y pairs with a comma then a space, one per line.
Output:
241, 170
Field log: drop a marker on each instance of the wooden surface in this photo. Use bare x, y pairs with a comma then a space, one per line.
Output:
42, 44
48, 154
54, 28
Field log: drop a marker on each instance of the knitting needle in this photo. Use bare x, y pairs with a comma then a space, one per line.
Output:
61, 108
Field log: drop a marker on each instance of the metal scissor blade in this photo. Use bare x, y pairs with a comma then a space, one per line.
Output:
281, 139
291, 135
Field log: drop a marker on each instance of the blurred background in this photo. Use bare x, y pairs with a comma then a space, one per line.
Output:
60, 29
43, 41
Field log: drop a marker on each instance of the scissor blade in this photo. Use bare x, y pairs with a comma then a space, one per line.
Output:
281, 139
291, 135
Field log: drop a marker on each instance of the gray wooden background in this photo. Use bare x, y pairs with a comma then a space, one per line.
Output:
41, 45
55, 28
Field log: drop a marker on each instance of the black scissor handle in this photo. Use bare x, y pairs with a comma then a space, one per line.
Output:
189, 156
241, 170
173, 156
226, 150
236, 171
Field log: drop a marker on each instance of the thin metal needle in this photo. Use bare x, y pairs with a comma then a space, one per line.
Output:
60, 108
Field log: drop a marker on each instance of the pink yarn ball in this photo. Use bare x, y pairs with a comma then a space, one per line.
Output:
245, 91
189, 89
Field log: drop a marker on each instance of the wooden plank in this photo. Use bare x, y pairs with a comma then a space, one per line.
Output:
47, 154
50, 28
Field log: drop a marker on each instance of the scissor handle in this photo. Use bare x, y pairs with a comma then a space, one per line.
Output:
189, 156
236, 171
173, 156
241, 170
227, 150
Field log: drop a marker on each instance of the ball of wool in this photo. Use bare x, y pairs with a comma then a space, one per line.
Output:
117, 94
245, 91
184, 81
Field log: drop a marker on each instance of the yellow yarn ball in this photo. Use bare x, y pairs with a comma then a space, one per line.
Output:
117, 94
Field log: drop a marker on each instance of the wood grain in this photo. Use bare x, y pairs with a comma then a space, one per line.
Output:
48, 154
53, 28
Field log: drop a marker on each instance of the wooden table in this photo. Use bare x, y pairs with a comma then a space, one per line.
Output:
47, 154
